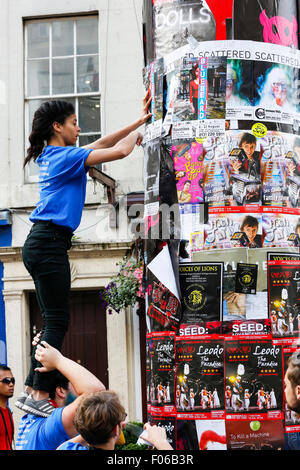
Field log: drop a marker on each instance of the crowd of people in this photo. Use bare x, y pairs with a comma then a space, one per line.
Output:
65, 406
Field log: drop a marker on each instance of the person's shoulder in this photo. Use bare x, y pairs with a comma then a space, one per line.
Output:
69, 445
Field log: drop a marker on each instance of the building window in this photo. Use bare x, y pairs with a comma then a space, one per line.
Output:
62, 62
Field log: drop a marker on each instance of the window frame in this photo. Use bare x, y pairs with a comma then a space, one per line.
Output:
30, 178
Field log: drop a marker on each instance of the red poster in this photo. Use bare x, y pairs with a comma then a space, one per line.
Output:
254, 435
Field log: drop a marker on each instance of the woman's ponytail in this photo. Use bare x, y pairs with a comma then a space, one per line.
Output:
42, 125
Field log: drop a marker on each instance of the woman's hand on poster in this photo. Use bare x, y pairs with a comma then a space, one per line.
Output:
146, 114
192, 108
236, 303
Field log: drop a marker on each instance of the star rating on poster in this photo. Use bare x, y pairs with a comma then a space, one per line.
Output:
268, 371
239, 357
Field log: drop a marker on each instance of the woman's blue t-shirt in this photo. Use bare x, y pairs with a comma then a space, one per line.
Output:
62, 184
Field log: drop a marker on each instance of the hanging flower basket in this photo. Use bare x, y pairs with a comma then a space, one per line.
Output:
125, 288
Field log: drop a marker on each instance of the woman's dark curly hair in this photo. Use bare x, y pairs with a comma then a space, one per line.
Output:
42, 125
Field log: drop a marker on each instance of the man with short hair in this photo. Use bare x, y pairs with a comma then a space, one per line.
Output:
47, 433
292, 397
99, 420
250, 228
7, 385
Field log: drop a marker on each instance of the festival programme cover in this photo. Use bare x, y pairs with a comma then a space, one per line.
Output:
188, 166
200, 434
243, 165
280, 228
227, 228
279, 167
201, 288
216, 175
200, 376
291, 417
253, 379
162, 352
284, 299
255, 435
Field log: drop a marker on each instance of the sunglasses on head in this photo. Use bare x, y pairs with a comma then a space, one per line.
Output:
8, 380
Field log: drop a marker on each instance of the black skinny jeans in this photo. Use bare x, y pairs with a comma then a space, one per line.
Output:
46, 259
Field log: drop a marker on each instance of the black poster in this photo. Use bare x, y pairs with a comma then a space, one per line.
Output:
152, 167
162, 353
253, 378
200, 376
201, 289
246, 278
271, 21
148, 31
169, 424
177, 22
